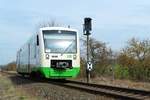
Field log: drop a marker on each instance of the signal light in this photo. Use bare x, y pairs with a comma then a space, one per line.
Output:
87, 26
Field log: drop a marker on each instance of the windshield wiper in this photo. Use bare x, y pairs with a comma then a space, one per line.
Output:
67, 47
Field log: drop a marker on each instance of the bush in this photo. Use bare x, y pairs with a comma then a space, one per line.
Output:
10, 67
121, 72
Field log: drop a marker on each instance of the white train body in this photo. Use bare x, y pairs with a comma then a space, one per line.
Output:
53, 52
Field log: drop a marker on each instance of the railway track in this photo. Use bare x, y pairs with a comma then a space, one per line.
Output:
111, 91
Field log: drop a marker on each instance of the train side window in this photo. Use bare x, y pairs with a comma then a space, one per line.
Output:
37, 40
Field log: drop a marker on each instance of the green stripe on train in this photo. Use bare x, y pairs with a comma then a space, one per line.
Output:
57, 73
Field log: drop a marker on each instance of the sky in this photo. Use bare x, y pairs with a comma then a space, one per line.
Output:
113, 21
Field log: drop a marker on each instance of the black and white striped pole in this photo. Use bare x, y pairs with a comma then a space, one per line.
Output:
86, 30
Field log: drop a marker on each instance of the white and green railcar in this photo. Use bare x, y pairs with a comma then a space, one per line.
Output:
53, 53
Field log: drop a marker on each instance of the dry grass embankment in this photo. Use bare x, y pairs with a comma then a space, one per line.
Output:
118, 82
9, 92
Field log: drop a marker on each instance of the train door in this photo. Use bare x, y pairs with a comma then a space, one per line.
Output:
37, 50
29, 54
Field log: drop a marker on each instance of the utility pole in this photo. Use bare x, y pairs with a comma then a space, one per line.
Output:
86, 30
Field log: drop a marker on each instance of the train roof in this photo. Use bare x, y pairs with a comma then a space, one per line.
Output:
57, 28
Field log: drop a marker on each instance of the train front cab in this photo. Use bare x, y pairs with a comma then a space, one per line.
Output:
60, 54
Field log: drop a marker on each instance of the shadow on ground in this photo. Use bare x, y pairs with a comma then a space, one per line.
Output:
20, 80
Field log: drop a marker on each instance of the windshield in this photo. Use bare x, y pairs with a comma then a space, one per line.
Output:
60, 41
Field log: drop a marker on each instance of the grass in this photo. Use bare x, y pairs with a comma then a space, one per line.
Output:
9, 92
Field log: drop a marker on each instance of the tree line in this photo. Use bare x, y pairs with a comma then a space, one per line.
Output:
9, 67
131, 62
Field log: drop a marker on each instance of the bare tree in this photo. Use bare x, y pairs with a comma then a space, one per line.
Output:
49, 23
137, 49
101, 54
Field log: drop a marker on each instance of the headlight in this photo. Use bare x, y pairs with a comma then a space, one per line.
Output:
74, 57
47, 56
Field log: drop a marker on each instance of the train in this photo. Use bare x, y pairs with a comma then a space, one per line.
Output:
53, 52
